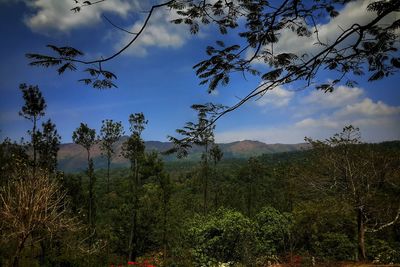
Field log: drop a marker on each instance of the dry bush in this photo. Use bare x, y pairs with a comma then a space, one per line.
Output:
32, 207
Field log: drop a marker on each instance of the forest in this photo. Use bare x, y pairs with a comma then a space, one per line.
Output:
335, 202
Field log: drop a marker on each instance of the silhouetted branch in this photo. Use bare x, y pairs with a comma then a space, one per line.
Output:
119, 28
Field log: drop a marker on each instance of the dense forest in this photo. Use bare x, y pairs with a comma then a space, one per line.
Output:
335, 202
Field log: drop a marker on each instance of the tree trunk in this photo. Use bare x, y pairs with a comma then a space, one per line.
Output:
164, 235
20, 246
133, 236
90, 188
249, 200
361, 235
108, 173
205, 182
205, 193
91, 192
43, 250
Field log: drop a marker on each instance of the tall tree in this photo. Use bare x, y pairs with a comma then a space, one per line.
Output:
251, 176
48, 146
86, 137
201, 134
154, 168
110, 133
33, 110
216, 155
362, 175
133, 149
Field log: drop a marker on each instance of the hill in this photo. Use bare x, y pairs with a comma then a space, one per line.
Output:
72, 157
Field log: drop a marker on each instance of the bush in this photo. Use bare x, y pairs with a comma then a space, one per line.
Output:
225, 236
381, 252
272, 231
335, 246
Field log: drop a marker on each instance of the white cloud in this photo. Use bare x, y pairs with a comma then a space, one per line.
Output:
322, 115
372, 130
277, 97
323, 122
342, 95
160, 32
50, 15
368, 108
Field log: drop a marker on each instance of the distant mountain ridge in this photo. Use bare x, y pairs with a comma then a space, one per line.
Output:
72, 157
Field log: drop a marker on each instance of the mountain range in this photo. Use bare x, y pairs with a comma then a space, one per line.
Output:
73, 157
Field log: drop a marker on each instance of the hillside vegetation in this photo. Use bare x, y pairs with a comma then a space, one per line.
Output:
71, 157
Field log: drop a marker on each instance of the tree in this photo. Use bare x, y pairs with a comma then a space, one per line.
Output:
356, 49
363, 176
133, 149
32, 208
154, 168
110, 133
12, 156
216, 155
48, 146
201, 134
272, 231
226, 236
251, 176
32, 110
86, 137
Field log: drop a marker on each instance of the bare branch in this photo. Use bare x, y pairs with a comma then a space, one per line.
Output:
374, 230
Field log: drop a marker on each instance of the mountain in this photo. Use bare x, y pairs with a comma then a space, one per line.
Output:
72, 157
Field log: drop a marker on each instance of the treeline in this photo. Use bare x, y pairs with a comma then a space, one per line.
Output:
337, 202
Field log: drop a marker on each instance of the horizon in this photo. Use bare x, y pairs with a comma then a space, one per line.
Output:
246, 140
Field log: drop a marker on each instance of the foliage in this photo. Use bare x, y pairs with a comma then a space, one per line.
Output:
33, 110
200, 133
110, 133
84, 136
152, 209
361, 176
48, 146
13, 157
35, 104
272, 231
335, 246
137, 123
225, 236
315, 220
382, 252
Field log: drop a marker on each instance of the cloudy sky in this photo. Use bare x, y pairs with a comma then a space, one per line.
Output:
155, 76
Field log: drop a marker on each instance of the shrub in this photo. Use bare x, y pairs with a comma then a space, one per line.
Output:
334, 246
381, 252
272, 231
225, 236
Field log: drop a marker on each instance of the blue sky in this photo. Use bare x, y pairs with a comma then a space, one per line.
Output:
155, 77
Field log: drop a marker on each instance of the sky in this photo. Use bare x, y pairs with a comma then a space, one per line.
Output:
155, 76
